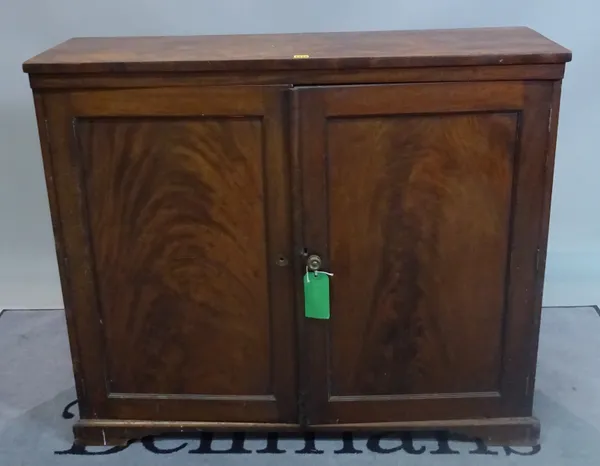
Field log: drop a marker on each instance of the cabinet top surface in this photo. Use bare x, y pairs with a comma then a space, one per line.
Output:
360, 50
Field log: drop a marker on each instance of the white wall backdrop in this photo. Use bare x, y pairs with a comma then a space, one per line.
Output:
28, 274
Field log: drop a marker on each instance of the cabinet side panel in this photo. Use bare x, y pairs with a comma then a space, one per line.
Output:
543, 237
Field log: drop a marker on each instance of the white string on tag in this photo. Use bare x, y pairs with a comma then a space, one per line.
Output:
316, 272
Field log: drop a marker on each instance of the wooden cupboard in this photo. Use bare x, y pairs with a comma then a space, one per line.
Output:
190, 180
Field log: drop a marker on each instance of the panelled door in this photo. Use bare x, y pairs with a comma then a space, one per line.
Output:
425, 202
175, 226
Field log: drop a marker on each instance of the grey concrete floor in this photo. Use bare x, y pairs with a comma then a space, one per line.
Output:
36, 384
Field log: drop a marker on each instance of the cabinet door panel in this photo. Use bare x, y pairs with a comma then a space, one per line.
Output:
178, 230
413, 209
184, 216
425, 246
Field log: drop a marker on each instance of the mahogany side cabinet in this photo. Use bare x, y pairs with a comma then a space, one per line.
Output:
192, 181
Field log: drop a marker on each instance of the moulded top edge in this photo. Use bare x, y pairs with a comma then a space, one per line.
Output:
337, 50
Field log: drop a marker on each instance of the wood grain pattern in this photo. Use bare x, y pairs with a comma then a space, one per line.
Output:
435, 235
172, 205
186, 220
379, 49
418, 295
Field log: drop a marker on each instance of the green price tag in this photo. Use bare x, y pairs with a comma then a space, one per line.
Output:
316, 295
